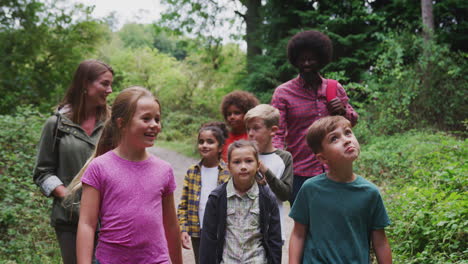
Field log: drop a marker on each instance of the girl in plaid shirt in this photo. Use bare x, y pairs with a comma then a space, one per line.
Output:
200, 180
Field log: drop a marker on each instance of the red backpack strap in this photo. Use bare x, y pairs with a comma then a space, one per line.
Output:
331, 89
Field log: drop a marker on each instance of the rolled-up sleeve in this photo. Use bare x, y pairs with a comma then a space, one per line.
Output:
351, 114
44, 174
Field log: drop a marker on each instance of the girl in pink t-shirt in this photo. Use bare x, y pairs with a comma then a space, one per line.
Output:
129, 190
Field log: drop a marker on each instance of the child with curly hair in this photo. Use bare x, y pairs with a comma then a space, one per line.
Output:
234, 107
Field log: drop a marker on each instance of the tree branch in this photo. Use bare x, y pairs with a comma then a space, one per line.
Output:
239, 14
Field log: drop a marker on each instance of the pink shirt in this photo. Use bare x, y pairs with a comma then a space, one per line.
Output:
299, 107
130, 213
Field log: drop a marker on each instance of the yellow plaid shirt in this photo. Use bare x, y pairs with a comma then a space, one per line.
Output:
187, 212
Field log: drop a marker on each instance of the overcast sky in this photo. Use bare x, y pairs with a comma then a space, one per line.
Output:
141, 11
145, 12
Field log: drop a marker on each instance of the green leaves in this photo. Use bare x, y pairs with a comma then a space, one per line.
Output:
424, 177
40, 47
25, 233
415, 85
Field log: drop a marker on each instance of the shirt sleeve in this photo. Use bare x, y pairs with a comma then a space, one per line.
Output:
92, 176
351, 114
282, 186
380, 218
279, 102
171, 184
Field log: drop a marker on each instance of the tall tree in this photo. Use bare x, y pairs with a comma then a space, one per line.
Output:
427, 19
450, 19
209, 19
40, 46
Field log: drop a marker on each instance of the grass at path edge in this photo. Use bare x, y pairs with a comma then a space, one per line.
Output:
186, 147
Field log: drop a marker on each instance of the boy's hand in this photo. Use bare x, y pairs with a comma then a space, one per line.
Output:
185, 238
261, 181
336, 107
262, 169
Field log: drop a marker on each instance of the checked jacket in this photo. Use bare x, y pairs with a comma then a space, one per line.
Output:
187, 211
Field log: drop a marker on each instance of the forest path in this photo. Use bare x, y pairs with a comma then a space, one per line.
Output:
181, 163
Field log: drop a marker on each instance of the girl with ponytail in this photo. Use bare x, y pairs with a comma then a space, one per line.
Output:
128, 189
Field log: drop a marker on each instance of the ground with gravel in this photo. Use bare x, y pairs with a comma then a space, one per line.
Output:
180, 163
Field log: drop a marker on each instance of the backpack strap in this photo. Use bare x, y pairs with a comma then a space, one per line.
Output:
331, 89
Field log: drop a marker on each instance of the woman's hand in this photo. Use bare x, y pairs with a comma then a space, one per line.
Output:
60, 192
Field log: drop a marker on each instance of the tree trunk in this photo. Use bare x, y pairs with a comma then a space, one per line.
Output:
427, 19
252, 20
428, 30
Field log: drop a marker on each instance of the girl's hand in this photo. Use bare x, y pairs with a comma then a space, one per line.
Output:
336, 107
185, 238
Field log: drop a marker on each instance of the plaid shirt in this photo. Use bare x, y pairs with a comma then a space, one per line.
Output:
299, 107
187, 212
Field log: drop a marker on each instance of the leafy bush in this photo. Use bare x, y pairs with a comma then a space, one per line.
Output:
423, 177
424, 157
25, 234
181, 126
416, 84
429, 225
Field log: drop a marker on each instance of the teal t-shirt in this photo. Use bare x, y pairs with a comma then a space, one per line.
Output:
340, 218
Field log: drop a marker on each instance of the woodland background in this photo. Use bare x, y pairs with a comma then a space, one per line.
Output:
402, 62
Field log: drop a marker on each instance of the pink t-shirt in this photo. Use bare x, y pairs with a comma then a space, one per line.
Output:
130, 214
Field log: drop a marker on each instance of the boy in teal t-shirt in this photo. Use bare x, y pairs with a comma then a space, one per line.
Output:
337, 215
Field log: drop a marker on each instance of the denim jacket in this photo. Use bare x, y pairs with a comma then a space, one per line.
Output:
63, 149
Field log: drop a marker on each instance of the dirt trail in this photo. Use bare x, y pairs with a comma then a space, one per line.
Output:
180, 163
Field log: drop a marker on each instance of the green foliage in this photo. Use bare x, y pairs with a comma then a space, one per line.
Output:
25, 233
136, 35
416, 156
40, 47
424, 179
415, 84
429, 225
450, 19
179, 126
193, 85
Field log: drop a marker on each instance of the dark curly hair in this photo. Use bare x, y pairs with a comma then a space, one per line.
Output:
311, 40
241, 99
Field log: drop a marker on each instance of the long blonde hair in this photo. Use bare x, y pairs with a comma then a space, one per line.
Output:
124, 108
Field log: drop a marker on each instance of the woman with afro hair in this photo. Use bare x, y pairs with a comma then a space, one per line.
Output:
303, 100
